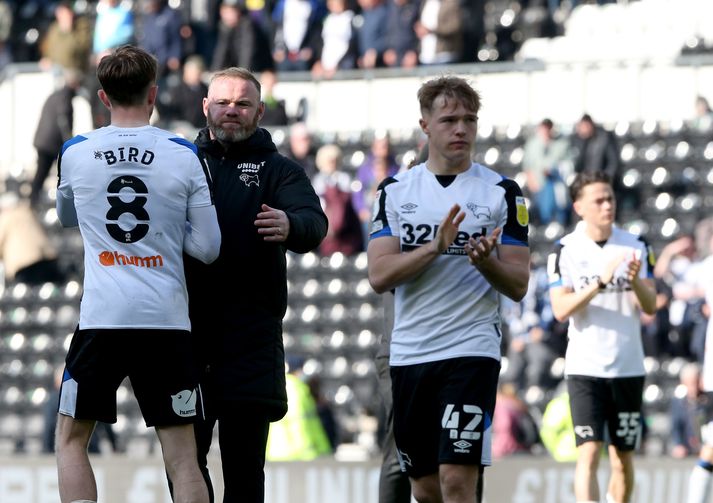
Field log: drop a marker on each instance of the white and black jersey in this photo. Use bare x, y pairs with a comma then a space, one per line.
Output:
131, 188
604, 336
449, 310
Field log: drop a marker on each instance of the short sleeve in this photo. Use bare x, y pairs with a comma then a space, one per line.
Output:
557, 274
385, 221
517, 219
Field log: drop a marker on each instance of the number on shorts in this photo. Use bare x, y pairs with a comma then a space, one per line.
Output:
451, 421
628, 424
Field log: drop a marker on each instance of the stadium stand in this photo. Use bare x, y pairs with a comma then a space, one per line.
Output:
334, 318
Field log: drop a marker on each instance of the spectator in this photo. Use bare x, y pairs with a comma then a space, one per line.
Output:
687, 412
557, 429
325, 411
536, 337
655, 328
337, 50
68, 42
702, 473
371, 34
240, 42
203, 17
275, 113
53, 129
333, 188
514, 430
26, 252
161, 35
379, 164
299, 435
401, 41
300, 148
595, 149
679, 267
440, 31
114, 26
184, 101
473, 12
298, 26
546, 162
703, 120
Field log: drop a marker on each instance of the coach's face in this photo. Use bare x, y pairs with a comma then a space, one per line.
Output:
596, 204
233, 109
451, 130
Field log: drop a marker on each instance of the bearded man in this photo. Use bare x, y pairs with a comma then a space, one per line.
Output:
266, 205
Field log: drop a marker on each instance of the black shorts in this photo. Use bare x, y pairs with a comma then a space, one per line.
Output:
443, 412
159, 364
616, 402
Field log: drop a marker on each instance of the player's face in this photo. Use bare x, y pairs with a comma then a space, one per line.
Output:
596, 205
451, 129
233, 109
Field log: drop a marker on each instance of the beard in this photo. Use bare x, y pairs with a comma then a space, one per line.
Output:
233, 135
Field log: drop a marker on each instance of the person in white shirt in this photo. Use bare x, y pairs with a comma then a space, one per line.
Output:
600, 278
447, 274
141, 198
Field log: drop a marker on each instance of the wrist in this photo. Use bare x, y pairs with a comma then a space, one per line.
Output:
601, 285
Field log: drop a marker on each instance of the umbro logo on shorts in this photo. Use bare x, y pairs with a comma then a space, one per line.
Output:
462, 446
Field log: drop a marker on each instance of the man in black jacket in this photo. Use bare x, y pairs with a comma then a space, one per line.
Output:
266, 205
53, 129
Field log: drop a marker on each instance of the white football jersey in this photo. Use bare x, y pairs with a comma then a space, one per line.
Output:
449, 310
604, 337
132, 188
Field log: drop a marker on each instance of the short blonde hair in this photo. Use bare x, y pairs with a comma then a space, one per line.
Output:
327, 152
235, 72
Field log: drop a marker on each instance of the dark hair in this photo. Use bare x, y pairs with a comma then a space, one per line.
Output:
587, 178
127, 74
450, 87
547, 123
235, 72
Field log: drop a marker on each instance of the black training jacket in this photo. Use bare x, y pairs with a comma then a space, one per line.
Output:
237, 303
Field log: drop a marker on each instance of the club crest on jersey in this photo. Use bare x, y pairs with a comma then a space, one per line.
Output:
250, 179
249, 173
478, 210
523, 217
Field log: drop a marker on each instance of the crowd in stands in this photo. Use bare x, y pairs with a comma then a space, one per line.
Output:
321, 36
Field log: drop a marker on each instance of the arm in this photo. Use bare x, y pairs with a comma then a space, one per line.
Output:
66, 212
389, 268
508, 270
306, 223
645, 291
566, 301
202, 238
